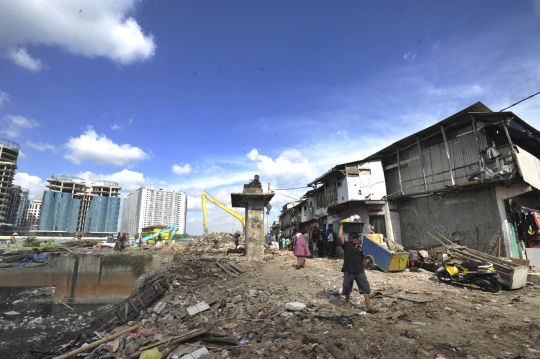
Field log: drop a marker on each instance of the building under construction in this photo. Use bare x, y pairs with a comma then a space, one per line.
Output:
71, 205
9, 152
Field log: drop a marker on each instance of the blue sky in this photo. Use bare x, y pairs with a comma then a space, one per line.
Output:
201, 95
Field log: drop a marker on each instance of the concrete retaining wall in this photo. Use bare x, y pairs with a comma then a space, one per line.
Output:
79, 279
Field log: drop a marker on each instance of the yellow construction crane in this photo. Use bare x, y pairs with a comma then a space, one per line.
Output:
205, 196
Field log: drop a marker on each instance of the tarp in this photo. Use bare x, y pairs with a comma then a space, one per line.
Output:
35, 257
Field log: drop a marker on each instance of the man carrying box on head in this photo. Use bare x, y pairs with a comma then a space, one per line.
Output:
353, 269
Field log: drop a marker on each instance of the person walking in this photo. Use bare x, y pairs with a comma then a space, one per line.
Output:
118, 244
353, 269
236, 239
301, 251
318, 241
331, 248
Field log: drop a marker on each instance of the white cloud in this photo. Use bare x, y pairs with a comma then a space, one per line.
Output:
21, 57
92, 28
32, 183
40, 146
409, 56
4, 98
130, 121
22, 154
115, 127
182, 170
13, 126
91, 147
194, 203
291, 167
536, 5
127, 179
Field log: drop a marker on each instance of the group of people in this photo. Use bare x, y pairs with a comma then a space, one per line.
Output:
122, 241
318, 242
353, 260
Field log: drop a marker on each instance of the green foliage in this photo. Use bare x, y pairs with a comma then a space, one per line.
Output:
137, 263
31, 241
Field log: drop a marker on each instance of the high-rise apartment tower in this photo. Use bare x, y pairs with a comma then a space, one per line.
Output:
32, 214
72, 205
149, 206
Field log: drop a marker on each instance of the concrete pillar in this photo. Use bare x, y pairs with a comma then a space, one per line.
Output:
254, 228
254, 201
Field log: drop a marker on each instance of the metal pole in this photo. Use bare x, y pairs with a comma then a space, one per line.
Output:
421, 161
451, 168
514, 155
399, 172
481, 166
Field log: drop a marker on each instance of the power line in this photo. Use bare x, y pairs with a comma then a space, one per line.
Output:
296, 199
286, 189
526, 98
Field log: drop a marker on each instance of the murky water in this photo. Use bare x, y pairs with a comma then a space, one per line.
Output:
37, 313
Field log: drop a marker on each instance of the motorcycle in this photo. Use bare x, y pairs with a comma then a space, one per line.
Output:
483, 275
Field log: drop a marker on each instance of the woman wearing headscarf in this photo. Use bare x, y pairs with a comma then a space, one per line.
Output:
301, 251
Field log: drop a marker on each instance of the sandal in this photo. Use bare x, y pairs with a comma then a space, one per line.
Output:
348, 306
372, 311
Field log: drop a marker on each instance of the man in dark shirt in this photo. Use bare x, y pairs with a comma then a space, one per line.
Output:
353, 269
236, 239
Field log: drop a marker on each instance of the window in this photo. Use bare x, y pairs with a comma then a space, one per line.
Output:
378, 224
351, 170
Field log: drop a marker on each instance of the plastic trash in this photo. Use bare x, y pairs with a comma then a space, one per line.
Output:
242, 341
153, 353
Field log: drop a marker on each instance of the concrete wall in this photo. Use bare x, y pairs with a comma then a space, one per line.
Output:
78, 279
469, 218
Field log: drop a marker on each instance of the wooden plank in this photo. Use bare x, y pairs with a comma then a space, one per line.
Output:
133, 306
231, 269
140, 301
236, 268
177, 339
226, 270
117, 312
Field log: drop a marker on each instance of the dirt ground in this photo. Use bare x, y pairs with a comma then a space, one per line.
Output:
457, 321
418, 316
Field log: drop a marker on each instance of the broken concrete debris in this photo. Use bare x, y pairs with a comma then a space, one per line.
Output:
199, 307
271, 310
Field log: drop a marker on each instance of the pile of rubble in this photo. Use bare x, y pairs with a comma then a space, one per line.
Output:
219, 305
215, 241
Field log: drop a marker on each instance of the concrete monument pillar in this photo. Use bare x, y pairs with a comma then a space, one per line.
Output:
254, 201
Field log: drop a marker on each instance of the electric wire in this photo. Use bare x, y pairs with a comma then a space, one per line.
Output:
526, 98
296, 199
286, 189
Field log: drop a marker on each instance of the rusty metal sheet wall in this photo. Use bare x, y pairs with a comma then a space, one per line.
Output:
463, 153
